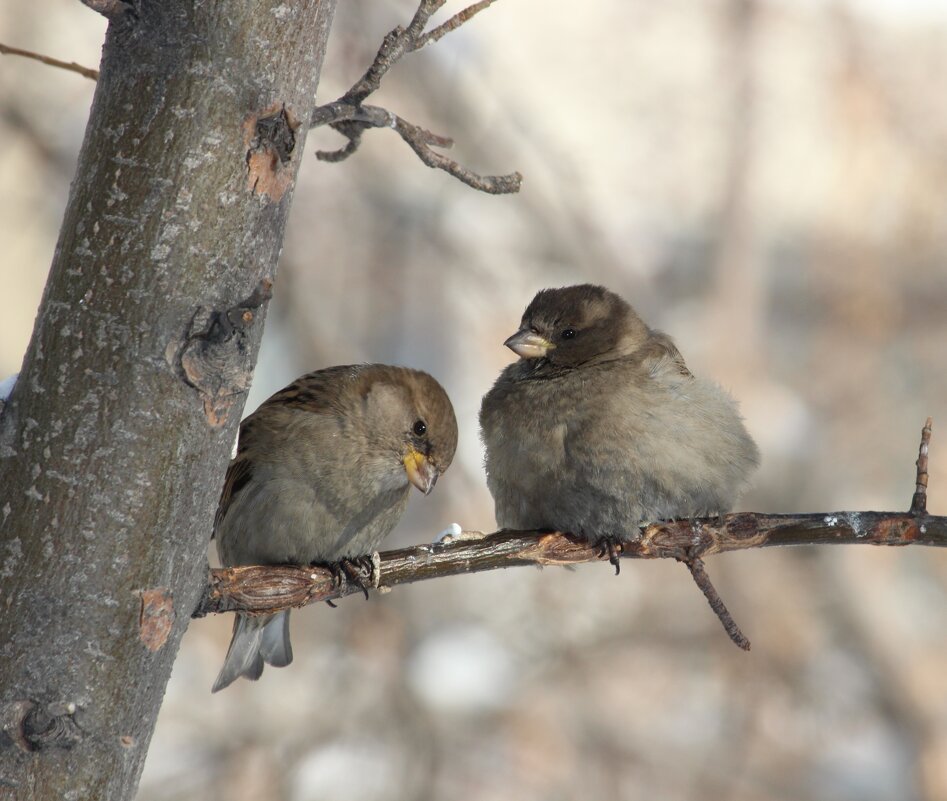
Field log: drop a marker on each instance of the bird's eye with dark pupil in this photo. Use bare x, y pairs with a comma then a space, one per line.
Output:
420, 428
568, 333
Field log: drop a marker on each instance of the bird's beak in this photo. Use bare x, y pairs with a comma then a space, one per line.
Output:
420, 471
528, 344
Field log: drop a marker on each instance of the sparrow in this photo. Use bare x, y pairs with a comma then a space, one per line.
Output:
322, 474
600, 426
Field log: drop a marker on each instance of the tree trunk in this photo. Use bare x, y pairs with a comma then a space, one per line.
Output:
114, 443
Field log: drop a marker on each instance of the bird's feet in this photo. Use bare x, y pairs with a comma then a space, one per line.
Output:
612, 546
362, 571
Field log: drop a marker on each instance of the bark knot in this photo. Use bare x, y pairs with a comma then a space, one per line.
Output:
34, 726
216, 359
270, 137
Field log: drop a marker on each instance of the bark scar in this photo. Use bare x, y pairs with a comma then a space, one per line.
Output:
270, 138
216, 360
155, 618
35, 726
896, 532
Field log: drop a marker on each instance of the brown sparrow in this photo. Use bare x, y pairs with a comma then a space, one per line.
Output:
322, 474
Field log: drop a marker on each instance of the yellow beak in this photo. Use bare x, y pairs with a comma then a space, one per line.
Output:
528, 344
420, 471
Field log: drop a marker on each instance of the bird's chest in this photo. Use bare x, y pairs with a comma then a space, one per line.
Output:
527, 437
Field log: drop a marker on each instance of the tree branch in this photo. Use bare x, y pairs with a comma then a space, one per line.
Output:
919, 501
350, 117
702, 580
71, 66
266, 589
452, 24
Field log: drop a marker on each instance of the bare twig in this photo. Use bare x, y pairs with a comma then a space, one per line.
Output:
351, 117
71, 66
454, 22
702, 580
420, 141
351, 121
919, 501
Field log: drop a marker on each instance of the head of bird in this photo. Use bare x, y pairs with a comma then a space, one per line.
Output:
414, 423
573, 325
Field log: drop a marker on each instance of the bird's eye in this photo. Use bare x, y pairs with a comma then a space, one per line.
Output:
568, 333
420, 428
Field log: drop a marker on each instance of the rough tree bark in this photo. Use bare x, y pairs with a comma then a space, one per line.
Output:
136, 376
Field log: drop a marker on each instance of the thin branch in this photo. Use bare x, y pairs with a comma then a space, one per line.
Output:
919, 501
420, 140
351, 117
71, 66
266, 589
395, 44
331, 113
702, 580
352, 122
454, 22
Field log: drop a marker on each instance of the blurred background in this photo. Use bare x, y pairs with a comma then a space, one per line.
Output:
766, 180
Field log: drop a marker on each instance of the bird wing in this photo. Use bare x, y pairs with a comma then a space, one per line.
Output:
313, 392
238, 474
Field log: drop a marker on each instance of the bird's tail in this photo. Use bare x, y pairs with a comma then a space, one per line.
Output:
264, 638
